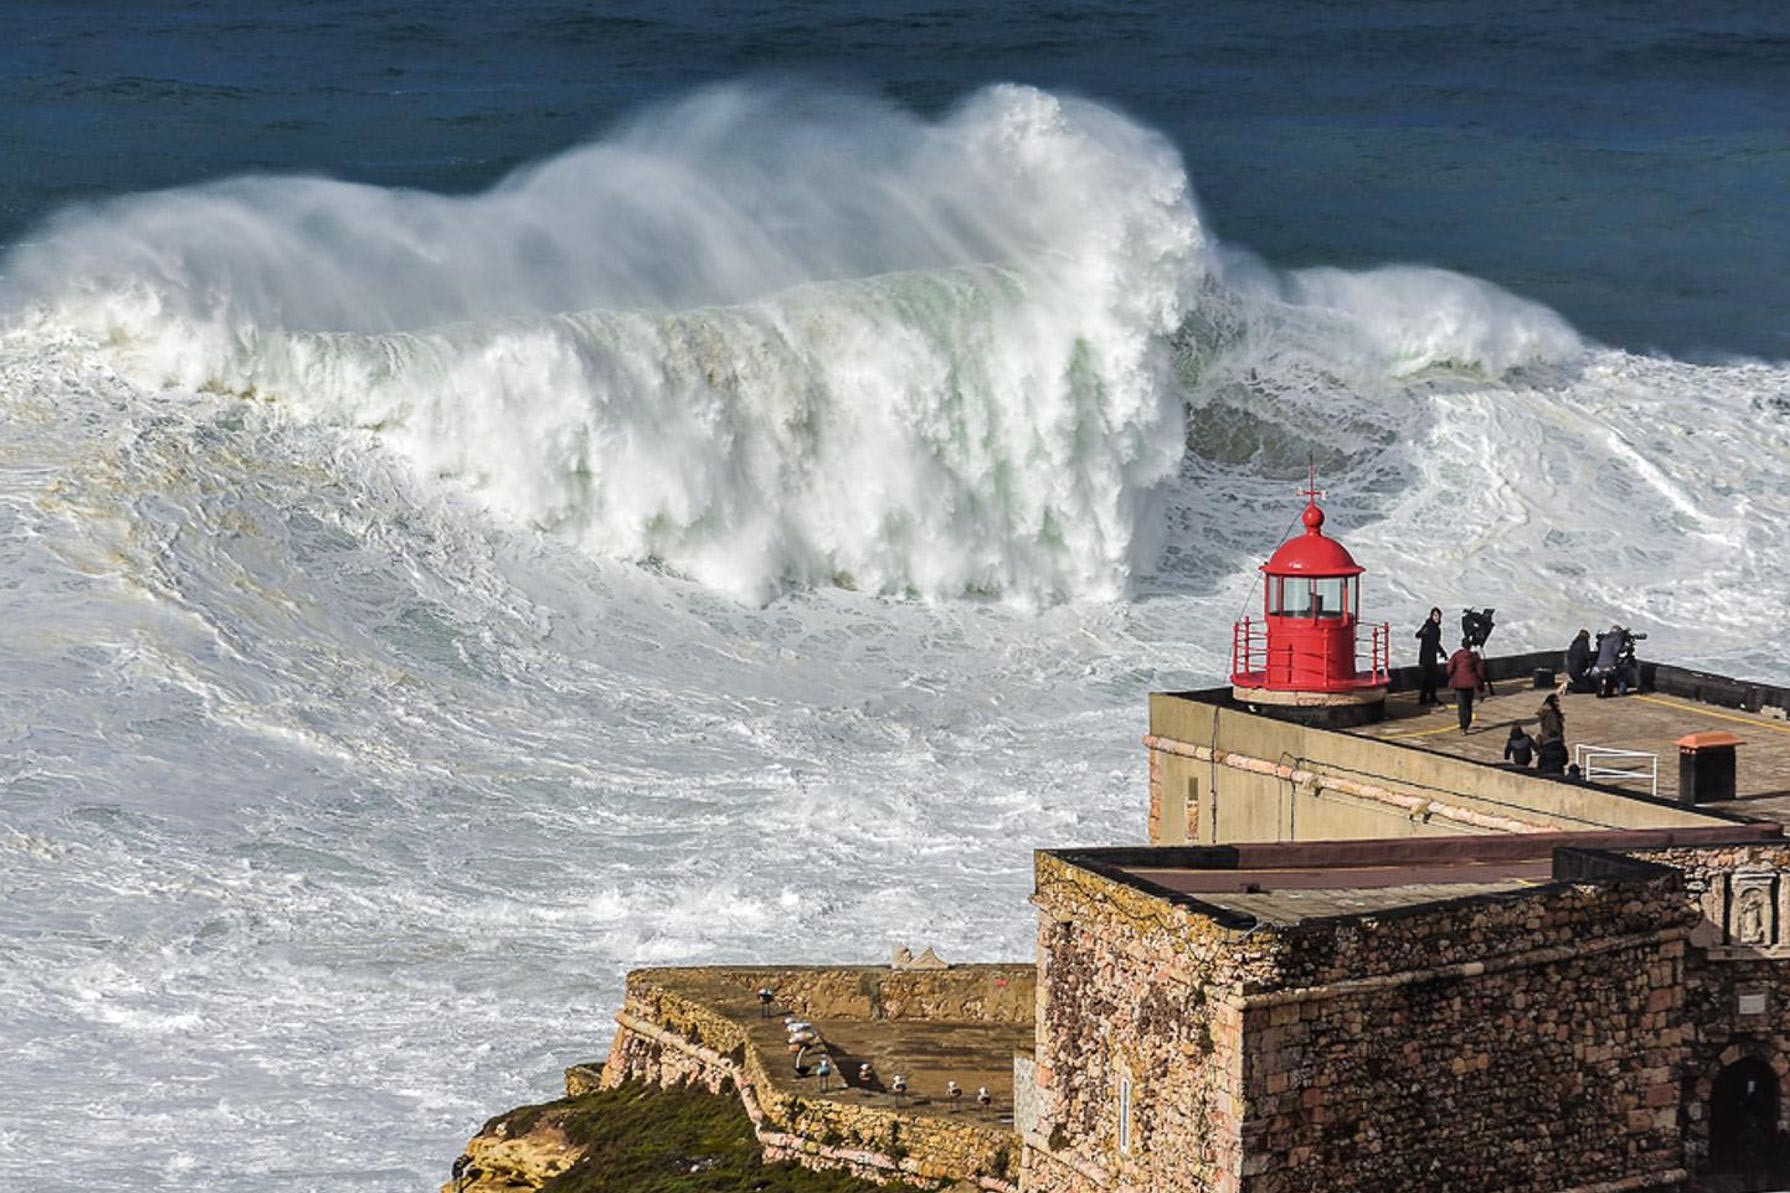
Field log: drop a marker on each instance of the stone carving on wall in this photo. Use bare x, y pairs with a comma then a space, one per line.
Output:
1746, 912
1752, 917
1751, 913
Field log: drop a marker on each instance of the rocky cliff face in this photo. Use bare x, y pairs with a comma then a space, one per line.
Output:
634, 1138
698, 1087
523, 1149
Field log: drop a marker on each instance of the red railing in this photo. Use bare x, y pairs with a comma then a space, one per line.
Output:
1249, 649
1379, 660
1252, 666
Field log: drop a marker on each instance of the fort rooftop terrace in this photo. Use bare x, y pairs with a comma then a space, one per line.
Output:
1645, 723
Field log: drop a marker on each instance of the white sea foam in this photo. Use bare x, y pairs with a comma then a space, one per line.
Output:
769, 339
333, 805
852, 347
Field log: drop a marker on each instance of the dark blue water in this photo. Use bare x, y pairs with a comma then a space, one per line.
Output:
1629, 166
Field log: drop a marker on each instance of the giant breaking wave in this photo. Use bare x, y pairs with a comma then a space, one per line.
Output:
770, 337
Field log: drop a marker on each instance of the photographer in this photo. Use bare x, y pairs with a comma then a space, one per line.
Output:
1476, 627
1578, 664
1628, 668
1616, 671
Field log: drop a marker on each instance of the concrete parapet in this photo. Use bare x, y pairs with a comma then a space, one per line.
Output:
1219, 773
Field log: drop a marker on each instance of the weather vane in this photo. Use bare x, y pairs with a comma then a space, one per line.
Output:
1311, 491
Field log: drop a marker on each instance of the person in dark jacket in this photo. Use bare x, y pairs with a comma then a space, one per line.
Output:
1429, 658
1578, 663
1550, 757
1606, 669
1466, 676
1520, 747
1553, 721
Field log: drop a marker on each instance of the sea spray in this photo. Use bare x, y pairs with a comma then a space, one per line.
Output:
771, 338
759, 339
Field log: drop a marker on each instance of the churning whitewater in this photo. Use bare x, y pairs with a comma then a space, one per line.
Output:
908, 358
705, 545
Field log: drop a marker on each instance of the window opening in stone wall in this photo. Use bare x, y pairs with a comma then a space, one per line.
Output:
1124, 1115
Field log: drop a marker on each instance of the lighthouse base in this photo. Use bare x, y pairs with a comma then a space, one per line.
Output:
1325, 710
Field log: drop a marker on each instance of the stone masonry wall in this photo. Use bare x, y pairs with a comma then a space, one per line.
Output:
1527, 1041
1548, 1064
959, 994
667, 1037
1470, 932
1132, 988
1737, 973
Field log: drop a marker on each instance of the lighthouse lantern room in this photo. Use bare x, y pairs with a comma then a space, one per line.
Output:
1300, 658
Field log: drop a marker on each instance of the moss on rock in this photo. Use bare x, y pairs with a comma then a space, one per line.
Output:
638, 1138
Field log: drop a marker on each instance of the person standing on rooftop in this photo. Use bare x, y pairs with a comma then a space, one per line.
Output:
1466, 676
1553, 721
1429, 658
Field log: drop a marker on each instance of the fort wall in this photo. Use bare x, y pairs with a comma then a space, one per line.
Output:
683, 1027
1220, 773
1494, 1044
1737, 987
1139, 1052
1423, 971
1534, 1038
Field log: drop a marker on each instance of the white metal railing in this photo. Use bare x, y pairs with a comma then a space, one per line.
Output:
1608, 764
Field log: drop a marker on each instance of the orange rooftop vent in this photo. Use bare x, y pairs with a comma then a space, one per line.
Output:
1709, 739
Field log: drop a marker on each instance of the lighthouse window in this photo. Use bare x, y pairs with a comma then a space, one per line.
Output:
1332, 597
1293, 597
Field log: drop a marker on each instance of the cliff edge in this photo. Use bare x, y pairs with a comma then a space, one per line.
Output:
634, 1138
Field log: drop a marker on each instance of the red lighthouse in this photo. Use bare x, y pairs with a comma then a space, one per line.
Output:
1301, 656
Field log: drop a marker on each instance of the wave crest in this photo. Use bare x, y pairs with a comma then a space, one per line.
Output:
772, 338
761, 338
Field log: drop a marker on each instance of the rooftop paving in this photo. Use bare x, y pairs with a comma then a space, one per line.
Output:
1645, 722
1287, 896
1291, 881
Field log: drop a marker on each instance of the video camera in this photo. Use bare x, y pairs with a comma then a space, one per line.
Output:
1476, 626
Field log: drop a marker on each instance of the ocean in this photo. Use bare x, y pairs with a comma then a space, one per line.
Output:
491, 496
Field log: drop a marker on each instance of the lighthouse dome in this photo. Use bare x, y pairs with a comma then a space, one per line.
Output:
1313, 553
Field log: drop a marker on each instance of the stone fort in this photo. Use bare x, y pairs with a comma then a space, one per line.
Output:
1359, 951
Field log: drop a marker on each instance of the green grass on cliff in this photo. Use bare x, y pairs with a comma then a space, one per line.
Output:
643, 1139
